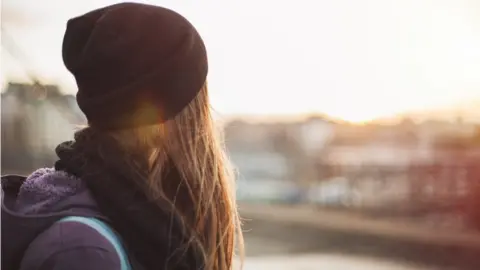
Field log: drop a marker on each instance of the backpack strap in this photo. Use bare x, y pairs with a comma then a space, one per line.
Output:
107, 232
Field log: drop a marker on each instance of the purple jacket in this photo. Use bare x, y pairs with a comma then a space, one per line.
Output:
31, 240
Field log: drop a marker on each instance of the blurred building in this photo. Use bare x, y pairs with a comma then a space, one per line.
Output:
376, 145
35, 118
277, 159
253, 152
405, 167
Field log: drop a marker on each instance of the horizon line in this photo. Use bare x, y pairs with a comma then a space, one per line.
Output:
428, 113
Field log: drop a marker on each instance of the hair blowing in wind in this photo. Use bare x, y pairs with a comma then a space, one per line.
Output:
194, 146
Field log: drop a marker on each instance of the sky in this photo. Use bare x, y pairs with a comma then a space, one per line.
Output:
351, 59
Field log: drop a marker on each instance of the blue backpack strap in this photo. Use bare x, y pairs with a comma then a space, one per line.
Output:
105, 230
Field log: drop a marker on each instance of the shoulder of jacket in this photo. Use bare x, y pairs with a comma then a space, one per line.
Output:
65, 240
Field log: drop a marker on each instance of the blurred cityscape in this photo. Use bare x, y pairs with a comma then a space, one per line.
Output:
415, 170
322, 179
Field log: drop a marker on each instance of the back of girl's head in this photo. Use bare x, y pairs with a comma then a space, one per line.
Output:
147, 92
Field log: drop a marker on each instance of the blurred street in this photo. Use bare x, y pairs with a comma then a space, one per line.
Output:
321, 261
346, 240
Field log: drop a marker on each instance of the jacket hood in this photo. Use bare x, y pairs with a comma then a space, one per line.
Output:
32, 204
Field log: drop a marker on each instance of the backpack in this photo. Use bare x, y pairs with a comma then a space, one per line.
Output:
107, 232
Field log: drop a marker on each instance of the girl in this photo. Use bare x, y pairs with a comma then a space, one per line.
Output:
146, 185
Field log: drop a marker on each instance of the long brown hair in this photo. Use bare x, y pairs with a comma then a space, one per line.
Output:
206, 204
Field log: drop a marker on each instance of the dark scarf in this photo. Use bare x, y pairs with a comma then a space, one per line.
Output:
151, 234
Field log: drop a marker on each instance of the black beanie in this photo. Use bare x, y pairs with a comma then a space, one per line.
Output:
134, 64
